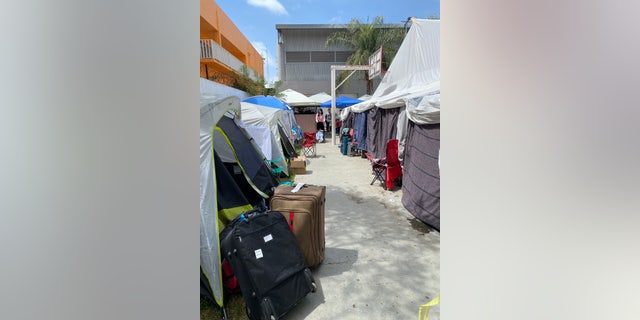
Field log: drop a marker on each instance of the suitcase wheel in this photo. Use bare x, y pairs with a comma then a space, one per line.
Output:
313, 287
267, 310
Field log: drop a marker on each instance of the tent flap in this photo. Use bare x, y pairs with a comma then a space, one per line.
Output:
421, 173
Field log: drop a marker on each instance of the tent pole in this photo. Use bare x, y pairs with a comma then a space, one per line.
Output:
333, 104
333, 92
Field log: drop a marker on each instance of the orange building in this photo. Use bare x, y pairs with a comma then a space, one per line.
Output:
223, 48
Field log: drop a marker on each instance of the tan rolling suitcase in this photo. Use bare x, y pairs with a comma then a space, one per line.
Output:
304, 212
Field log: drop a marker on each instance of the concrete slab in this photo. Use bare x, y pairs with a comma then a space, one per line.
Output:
380, 262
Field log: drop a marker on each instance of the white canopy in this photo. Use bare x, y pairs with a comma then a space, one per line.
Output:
413, 75
295, 98
320, 97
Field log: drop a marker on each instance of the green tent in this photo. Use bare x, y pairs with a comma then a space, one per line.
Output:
231, 160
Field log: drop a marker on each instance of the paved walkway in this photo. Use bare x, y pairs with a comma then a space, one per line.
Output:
380, 262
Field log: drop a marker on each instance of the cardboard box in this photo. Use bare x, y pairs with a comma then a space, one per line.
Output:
299, 165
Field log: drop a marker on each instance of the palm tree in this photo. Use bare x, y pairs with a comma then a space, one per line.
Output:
365, 39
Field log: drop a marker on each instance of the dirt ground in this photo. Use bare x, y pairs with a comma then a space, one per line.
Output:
380, 262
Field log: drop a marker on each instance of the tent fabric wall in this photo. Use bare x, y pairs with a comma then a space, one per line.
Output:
401, 134
424, 110
208, 87
415, 70
381, 127
258, 115
421, 173
222, 137
289, 119
231, 200
287, 146
250, 160
263, 138
360, 130
373, 125
212, 108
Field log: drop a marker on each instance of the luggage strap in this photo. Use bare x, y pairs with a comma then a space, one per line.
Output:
291, 221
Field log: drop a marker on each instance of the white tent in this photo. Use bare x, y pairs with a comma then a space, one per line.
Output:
414, 73
320, 97
208, 87
257, 115
295, 98
412, 81
212, 109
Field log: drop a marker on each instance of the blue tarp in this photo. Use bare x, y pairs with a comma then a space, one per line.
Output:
341, 102
268, 101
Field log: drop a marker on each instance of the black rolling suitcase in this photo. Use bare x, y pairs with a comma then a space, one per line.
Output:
268, 263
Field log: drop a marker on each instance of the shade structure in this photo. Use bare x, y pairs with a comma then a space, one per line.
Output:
341, 102
320, 97
297, 99
268, 101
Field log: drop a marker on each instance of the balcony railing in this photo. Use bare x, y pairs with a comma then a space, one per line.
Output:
209, 49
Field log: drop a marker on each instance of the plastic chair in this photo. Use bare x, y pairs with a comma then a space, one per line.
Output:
309, 144
394, 169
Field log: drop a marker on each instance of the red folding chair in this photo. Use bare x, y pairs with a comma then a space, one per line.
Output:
309, 144
387, 169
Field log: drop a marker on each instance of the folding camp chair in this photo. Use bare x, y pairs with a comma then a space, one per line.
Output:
309, 144
378, 168
387, 169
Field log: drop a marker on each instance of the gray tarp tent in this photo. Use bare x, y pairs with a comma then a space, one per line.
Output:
410, 94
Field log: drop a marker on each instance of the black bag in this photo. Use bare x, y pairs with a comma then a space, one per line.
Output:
268, 263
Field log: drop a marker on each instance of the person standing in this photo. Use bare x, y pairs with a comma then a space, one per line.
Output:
319, 120
328, 121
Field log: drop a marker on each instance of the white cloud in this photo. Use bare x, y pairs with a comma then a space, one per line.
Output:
272, 5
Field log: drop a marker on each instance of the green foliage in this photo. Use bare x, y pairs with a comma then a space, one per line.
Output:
274, 90
365, 39
243, 81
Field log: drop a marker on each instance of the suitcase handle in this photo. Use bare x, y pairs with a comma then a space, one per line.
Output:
260, 208
291, 220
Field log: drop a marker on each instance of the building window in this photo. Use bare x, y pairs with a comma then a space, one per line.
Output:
298, 56
323, 56
341, 56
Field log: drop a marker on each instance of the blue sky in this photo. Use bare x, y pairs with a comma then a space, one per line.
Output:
257, 19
